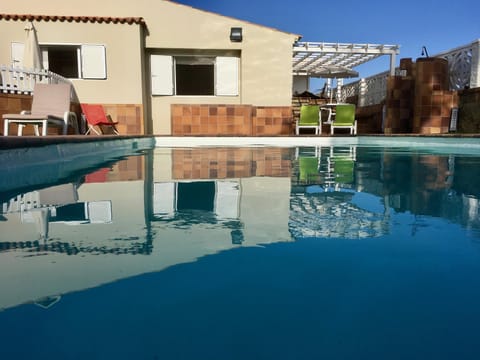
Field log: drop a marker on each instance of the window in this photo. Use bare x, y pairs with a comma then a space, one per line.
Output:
219, 197
194, 75
71, 61
62, 60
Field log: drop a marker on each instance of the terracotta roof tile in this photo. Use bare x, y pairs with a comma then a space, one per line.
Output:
84, 19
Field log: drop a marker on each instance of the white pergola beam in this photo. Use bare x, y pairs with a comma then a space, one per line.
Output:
308, 56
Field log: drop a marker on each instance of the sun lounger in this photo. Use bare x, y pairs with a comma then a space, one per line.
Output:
309, 118
345, 118
50, 107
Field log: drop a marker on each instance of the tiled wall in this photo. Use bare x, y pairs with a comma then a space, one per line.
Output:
271, 121
420, 102
230, 163
129, 117
13, 104
228, 120
369, 119
433, 101
399, 103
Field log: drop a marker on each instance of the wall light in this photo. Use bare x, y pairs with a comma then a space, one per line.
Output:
236, 34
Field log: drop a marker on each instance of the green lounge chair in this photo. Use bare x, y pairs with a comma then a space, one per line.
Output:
309, 119
345, 118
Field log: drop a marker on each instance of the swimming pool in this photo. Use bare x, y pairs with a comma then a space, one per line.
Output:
342, 250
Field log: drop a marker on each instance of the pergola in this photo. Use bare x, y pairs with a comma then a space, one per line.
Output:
316, 58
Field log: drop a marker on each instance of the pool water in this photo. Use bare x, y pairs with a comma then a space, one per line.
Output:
327, 252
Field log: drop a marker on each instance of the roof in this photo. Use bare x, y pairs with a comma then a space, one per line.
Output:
311, 58
64, 18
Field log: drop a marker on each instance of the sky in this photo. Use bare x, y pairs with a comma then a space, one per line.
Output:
439, 25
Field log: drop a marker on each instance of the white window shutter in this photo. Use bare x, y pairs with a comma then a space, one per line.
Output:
17, 54
164, 200
227, 76
227, 200
161, 70
94, 65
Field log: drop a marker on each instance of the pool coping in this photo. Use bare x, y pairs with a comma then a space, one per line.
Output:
471, 141
15, 142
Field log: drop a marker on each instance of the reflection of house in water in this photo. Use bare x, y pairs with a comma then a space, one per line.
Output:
147, 219
244, 191
177, 205
90, 222
89, 208
183, 204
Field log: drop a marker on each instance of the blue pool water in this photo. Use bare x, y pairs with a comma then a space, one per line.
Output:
328, 252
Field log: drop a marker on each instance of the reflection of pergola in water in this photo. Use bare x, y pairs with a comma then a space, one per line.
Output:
332, 215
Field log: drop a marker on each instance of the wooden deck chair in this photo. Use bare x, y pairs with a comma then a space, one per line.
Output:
345, 118
50, 107
309, 118
95, 117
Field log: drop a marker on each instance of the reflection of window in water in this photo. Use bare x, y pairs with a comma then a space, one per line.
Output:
196, 196
219, 198
71, 212
200, 202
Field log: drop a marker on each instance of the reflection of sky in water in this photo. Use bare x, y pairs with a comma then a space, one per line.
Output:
368, 202
166, 261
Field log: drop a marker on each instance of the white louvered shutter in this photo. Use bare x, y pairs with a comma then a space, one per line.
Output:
227, 76
94, 64
161, 70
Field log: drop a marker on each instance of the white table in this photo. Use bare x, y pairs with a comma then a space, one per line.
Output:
330, 107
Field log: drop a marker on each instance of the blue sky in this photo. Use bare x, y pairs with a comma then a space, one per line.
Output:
439, 25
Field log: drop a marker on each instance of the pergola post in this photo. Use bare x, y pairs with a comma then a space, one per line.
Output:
475, 71
362, 92
392, 64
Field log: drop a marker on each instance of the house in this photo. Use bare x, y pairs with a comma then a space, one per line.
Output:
160, 67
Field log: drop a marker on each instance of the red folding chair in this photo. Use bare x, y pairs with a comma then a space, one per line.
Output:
95, 117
